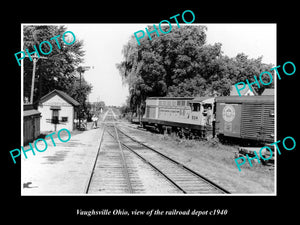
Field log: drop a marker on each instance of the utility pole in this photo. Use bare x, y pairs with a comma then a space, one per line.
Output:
35, 59
82, 69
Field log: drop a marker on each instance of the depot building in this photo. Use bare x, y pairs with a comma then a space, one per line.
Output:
58, 110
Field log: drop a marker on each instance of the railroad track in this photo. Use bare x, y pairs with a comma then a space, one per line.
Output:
113, 171
186, 180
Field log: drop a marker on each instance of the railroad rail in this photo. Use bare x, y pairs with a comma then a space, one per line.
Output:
185, 179
114, 172
110, 172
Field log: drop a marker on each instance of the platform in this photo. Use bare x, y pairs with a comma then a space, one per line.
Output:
63, 169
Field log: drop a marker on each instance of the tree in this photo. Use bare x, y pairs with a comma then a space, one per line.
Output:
58, 71
150, 69
180, 63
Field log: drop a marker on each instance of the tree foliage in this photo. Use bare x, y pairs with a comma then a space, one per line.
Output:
181, 64
58, 71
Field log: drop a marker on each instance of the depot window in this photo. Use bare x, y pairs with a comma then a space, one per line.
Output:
55, 115
64, 119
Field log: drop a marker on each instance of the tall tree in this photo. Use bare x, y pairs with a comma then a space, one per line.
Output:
58, 71
150, 69
180, 63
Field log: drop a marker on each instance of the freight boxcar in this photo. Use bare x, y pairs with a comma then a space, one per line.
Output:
246, 117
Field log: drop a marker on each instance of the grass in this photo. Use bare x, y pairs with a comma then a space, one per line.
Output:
217, 159
212, 148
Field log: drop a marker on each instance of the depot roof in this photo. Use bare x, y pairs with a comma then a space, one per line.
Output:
62, 94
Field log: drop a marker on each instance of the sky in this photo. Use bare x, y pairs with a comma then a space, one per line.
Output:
103, 44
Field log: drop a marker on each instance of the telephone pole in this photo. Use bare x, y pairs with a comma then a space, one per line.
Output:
35, 58
82, 69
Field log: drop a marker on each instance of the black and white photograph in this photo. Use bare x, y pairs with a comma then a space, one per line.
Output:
171, 117
162, 117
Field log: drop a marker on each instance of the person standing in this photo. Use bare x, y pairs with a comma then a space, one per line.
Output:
94, 119
76, 123
209, 116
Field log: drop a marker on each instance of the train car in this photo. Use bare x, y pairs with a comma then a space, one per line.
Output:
246, 117
189, 115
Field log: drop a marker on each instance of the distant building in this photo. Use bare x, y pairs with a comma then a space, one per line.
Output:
244, 92
269, 91
58, 110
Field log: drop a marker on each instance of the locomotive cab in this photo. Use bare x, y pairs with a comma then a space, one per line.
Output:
202, 111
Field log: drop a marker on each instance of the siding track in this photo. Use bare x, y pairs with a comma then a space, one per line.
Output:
186, 180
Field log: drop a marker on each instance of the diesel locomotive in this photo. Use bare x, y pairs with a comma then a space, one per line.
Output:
242, 117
